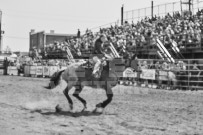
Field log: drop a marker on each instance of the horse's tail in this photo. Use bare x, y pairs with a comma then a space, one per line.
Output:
55, 79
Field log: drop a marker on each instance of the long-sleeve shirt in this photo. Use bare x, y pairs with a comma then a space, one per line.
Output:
98, 47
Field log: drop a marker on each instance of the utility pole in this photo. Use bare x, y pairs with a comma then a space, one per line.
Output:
0, 31
152, 8
190, 3
122, 10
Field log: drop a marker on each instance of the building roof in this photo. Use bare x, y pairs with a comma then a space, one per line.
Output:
21, 53
57, 34
53, 34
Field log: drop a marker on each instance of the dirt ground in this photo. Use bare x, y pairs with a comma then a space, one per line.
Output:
26, 108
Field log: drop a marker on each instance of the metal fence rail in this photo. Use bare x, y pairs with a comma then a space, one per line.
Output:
183, 75
160, 10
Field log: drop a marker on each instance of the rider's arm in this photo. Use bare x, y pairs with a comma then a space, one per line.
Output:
97, 66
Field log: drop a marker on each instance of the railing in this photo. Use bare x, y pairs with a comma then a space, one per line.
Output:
154, 75
186, 44
179, 48
97, 28
185, 78
160, 10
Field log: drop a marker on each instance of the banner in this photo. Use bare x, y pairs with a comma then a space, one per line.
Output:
1, 71
129, 73
63, 68
148, 74
52, 70
39, 70
163, 75
1, 65
12, 70
26, 70
33, 70
45, 71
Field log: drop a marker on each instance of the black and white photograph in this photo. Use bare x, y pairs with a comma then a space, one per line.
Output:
101, 67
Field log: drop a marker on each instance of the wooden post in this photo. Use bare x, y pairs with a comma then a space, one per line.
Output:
152, 7
122, 10
0, 31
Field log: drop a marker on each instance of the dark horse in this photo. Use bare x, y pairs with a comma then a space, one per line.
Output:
79, 76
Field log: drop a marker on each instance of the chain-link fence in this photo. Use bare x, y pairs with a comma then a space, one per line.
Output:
162, 10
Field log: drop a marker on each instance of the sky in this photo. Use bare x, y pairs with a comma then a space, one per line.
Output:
62, 16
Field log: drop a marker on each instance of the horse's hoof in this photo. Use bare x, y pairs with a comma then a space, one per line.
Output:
95, 110
71, 107
98, 110
84, 109
47, 87
58, 109
99, 105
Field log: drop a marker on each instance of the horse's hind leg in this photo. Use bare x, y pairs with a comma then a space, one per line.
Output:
68, 97
76, 94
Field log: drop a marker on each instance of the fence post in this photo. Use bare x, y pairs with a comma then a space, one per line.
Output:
145, 11
181, 8
139, 14
152, 12
133, 15
188, 84
165, 9
122, 10
201, 41
126, 16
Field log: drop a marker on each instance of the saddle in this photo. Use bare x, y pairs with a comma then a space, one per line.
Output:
90, 65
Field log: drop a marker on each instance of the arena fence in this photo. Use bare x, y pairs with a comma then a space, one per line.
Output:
182, 75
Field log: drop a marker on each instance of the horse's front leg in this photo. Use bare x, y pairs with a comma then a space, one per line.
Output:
78, 90
109, 94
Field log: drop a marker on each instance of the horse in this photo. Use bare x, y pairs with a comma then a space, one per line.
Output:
76, 75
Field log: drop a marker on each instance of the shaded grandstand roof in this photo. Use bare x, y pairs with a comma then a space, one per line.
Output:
52, 33
21, 53
58, 34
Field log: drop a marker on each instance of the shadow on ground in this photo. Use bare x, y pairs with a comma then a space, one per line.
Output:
67, 113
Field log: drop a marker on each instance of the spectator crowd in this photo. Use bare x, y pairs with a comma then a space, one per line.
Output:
185, 29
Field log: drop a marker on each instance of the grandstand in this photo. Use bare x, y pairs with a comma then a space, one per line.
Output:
171, 35
49, 45
168, 31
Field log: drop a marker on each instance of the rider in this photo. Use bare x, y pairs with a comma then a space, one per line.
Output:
99, 54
